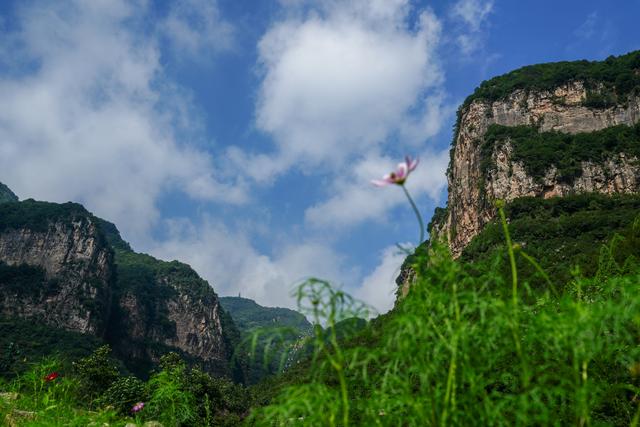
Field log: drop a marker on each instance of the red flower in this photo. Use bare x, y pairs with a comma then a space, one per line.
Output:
52, 376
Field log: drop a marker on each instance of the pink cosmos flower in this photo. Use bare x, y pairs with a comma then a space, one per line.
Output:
137, 407
399, 176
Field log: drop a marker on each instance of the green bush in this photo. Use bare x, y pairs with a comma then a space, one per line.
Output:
169, 401
96, 372
122, 394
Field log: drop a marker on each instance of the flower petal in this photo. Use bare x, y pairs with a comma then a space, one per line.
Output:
412, 163
402, 172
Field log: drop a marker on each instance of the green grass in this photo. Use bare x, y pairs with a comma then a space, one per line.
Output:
476, 347
91, 392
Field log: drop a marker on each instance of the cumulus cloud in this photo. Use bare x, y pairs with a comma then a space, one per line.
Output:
471, 16
195, 27
231, 264
354, 200
88, 117
378, 288
341, 78
472, 12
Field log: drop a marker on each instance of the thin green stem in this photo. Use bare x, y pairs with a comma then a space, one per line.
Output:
514, 295
636, 418
338, 365
417, 212
540, 270
512, 258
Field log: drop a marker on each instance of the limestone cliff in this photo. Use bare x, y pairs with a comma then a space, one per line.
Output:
62, 267
482, 171
57, 267
168, 304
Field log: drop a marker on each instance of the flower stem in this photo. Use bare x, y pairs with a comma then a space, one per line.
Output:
415, 209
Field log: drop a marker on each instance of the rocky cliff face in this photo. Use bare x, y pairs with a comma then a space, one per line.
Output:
75, 267
168, 304
63, 267
472, 190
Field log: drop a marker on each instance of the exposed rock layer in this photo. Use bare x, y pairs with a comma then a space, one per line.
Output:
63, 267
74, 257
470, 205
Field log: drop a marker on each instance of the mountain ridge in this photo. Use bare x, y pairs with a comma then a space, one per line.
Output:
141, 306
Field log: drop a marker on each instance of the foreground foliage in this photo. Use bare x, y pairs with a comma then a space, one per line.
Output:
92, 392
469, 347
472, 343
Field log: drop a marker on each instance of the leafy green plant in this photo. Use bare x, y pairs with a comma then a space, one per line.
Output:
169, 401
96, 372
123, 394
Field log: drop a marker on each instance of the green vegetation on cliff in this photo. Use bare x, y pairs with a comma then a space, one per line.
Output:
618, 75
248, 315
560, 233
539, 151
6, 195
39, 216
137, 339
277, 331
153, 282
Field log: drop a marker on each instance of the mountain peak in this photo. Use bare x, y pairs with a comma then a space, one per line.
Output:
6, 195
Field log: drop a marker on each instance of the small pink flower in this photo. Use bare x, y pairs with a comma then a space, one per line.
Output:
400, 175
137, 407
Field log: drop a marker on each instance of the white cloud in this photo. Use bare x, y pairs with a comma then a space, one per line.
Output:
341, 79
471, 16
588, 28
232, 265
472, 12
354, 200
93, 119
196, 28
378, 288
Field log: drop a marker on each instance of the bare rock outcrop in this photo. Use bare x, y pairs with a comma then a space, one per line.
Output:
470, 205
62, 267
75, 266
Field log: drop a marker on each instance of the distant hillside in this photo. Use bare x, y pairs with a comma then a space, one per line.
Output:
280, 333
248, 315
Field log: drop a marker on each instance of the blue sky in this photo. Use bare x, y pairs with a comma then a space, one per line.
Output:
241, 136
